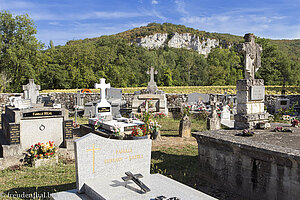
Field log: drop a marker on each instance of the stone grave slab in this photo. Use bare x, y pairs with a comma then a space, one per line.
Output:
101, 163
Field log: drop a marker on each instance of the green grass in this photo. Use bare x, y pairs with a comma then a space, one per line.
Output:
170, 126
29, 180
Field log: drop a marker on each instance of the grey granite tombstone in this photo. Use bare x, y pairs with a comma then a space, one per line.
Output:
101, 163
31, 91
114, 97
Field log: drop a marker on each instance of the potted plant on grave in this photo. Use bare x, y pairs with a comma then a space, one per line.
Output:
98, 124
139, 133
41, 154
154, 127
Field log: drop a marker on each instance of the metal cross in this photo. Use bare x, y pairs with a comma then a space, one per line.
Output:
135, 178
93, 150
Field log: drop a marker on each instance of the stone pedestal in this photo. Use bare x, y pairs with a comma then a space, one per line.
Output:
159, 103
185, 127
250, 104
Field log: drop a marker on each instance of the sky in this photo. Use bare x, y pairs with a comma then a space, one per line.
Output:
64, 20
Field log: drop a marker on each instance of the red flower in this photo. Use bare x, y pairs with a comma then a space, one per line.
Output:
51, 153
39, 144
35, 155
31, 146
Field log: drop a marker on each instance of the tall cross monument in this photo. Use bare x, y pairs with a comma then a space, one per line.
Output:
103, 107
152, 87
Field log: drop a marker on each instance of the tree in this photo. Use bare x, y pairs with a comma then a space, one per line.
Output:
19, 50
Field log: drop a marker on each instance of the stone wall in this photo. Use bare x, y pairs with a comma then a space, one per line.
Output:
251, 169
174, 100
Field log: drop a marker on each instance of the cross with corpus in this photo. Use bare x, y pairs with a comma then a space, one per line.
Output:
135, 178
152, 72
103, 86
93, 150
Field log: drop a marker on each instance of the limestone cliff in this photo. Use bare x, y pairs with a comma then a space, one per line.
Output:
176, 40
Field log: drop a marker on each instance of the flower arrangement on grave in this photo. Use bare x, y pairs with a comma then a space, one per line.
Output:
76, 125
246, 133
186, 109
138, 131
98, 123
295, 123
41, 151
116, 130
159, 115
281, 129
154, 126
150, 104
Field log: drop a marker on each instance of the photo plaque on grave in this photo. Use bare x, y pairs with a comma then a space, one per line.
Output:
257, 93
14, 134
68, 129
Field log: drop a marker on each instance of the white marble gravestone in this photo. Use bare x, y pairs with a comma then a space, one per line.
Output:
103, 108
101, 163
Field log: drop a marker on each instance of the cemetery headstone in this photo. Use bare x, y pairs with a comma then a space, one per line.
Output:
250, 91
120, 169
103, 108
23, 126
143, 98
185, 127
213, 121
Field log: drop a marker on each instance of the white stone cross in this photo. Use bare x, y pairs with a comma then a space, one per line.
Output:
103, 86
152, 72
31, 91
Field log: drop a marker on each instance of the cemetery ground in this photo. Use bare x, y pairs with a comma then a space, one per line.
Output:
172, 156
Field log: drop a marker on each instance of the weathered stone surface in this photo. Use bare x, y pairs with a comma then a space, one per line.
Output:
250, 108
264, 166
185, 127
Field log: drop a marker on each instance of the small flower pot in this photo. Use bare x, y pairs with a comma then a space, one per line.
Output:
154, 135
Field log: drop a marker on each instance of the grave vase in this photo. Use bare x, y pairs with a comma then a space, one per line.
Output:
154, 135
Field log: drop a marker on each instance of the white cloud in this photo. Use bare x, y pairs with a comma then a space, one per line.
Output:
154, 2
180, 6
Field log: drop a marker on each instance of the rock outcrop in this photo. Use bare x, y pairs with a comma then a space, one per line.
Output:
176, 40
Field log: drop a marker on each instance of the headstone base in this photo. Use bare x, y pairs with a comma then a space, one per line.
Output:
250, 121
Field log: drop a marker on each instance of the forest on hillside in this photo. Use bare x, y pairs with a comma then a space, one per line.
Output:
81, 63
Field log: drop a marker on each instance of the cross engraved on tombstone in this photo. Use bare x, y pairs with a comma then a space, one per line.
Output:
152, 87
135, 178
31, 91
93, 150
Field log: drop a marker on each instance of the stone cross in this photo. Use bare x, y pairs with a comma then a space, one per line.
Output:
152, 87
152, 72
252, 57
103, 86
213, 105
31, 91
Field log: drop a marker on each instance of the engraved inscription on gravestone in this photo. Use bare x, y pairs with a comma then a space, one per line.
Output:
257, 93
14, 133
68, 129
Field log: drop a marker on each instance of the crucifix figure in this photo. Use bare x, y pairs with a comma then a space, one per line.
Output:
252, 57
31, 91
135, 178
152, 87
93, 150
